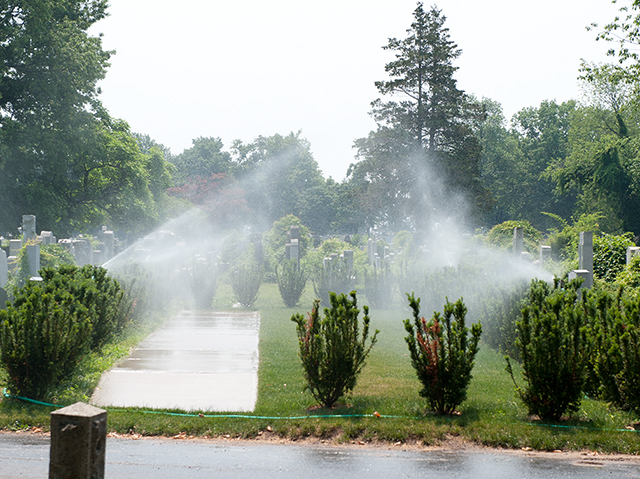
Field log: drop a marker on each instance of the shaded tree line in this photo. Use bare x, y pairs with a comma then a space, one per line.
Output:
65, 159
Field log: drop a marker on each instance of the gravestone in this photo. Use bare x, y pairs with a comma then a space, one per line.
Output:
545, 254
348, 256
295, 233
371, 250
631, 252
15, 245
518, 241
83, 252
109, 242
78, 441
585, 256
67, 244
258, 249
28, 227
581, 273
4, 297
294, 250
3, 268
326, 263
33, 257
100, 255
46, 237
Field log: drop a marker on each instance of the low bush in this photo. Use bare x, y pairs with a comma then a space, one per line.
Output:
610, 255
379, 285
501, 312
615, 354
336, 276
551, 343
43, 336
245, 281
107, 305
203, 279
332, 350
291, 282
442, 353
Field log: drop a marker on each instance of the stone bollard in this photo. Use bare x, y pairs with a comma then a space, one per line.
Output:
78, 440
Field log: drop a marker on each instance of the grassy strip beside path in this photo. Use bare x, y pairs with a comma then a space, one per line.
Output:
491, 415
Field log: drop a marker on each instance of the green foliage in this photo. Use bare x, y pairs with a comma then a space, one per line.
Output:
501, 312
55, 255
43, 335
337, 276
276, 238
551, 343
379, 285
501, 235
615, 357
427, 125
564, 241
106, 304
331, 349
203, 279
442, 354
245, 281
629, 277
291, 282
610, 255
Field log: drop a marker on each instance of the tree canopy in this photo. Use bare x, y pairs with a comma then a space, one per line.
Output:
424, 132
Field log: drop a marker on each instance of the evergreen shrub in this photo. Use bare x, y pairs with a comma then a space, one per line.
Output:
442, 353
615, 321
379, 285
291, 282
332, 350
337, 277
245, 281
203, 279
502, 310
107, 305
43, 336
551, 342
610, 255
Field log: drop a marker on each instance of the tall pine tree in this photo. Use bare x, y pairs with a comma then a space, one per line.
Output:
425, 132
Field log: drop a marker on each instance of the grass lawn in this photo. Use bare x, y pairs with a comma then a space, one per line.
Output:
491, 415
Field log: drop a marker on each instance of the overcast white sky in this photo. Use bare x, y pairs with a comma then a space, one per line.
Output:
240, 69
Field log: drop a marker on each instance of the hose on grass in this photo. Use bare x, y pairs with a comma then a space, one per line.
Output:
315, 416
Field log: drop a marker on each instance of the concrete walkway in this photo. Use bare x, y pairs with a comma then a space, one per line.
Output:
199, 361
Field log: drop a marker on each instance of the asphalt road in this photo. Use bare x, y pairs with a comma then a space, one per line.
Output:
26, 455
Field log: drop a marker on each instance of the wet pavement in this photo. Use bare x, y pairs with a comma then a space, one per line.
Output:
198, 361
27, 456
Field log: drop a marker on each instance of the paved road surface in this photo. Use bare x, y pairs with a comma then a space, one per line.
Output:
26, 456
199, 361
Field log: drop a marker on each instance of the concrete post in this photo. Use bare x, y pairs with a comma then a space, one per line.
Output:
585, 256
78, 441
